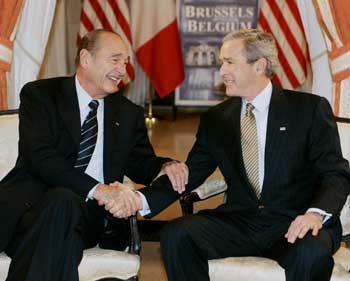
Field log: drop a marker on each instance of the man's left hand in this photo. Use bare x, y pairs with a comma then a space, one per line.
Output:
302, 224
177, 173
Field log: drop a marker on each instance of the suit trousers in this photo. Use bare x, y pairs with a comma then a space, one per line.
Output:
51, 236
189, 242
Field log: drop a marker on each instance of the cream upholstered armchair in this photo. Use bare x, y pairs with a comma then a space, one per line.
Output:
97, 263
263, 269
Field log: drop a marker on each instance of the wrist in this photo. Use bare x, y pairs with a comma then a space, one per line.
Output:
139, 201
318, 216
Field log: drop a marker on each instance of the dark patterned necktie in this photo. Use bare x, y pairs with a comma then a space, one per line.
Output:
249, 142
88, 137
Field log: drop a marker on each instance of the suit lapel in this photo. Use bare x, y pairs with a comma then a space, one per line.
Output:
233, 115
276, 130
112, 112
232, 137
69, 109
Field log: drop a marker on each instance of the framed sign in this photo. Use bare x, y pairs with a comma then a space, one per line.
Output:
202, 25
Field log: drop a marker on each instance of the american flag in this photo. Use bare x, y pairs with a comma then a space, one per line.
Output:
111, 15
282, 19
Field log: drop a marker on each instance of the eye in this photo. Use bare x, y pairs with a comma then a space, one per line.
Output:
116, 60
119, 60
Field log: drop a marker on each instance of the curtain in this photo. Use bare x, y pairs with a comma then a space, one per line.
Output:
321, 75
29, 46
333, 16
9, 13
55, 61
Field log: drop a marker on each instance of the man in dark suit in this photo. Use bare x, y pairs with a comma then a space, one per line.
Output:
280, 155
76, 138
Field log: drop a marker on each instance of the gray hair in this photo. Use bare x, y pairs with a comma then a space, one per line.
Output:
257, 44
90, 42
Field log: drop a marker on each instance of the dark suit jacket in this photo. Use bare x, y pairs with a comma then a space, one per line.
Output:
304, 166
49, 136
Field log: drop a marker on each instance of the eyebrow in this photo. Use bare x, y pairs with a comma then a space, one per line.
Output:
117, 55
221, 60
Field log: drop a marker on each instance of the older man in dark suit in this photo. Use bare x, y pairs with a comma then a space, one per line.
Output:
76, 137
280, 155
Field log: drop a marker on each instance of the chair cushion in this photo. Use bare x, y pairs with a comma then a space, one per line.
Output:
96, 264
262, 269
4, 266
8, 142
344, 133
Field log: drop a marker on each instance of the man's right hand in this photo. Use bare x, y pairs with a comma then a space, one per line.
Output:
118, 199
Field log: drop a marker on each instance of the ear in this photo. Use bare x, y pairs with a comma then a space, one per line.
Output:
85, 58
260, 66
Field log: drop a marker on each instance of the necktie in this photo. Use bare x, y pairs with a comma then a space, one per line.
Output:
249, 142
88, 137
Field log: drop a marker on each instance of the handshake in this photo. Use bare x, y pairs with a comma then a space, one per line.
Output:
120, 200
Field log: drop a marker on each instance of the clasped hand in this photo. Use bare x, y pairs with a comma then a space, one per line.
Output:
120, 200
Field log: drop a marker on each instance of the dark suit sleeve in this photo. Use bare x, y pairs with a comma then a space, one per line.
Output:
37, 144
201, 164
143, 165
329, 166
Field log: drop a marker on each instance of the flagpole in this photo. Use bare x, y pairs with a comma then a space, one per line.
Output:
150, 120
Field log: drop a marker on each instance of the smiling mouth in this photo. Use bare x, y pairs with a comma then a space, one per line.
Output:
114, 78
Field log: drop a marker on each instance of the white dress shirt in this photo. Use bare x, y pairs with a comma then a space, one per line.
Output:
95, 167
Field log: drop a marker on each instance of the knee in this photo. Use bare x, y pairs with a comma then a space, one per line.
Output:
62, 198
314, 251
176, 232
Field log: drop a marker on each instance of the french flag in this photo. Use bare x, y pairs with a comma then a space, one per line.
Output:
156, 42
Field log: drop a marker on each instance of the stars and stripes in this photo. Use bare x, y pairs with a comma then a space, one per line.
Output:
282, 19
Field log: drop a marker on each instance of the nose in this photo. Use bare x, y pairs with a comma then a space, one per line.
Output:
223, 69
121, 67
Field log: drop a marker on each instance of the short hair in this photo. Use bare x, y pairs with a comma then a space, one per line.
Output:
90, 42
257, 44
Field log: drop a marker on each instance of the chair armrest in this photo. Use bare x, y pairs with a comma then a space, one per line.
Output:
208, 189
135, 242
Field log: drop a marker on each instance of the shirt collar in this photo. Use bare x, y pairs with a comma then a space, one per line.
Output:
83, 97
262, 100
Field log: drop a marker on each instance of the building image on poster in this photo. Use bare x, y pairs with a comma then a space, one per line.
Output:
202, 25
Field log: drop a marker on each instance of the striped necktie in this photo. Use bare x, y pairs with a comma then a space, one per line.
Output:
88, 137
249, 142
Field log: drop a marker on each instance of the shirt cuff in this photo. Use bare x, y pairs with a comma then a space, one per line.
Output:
326, 216
145, 207
91, 193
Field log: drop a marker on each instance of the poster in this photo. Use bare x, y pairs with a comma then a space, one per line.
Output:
202, 25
